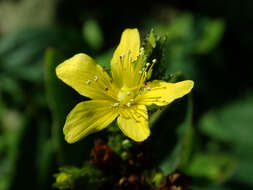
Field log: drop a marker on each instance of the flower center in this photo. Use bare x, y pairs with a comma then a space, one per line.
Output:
126, 96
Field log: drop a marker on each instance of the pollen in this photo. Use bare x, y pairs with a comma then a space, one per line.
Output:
142, 51
87, 82
115, 105
122, 56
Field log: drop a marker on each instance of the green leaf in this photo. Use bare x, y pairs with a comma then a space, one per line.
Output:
92, 34
22, 51
232, 125
80, 178
211, 34
150, 43
211, 167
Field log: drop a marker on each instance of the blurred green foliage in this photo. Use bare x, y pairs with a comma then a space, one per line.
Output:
206, 135
232, 125
68, 177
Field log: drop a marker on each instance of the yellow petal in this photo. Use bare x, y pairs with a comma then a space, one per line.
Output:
88, 117
129, 46
133, 122
162, 93
86, 77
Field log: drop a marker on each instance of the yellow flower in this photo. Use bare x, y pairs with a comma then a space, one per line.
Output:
124, 96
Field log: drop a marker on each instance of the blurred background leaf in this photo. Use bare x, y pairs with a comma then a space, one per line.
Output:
232, 125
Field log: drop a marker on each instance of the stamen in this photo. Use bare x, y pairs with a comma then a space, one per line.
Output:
148, 88
131, 100
95, 78
153, 98
140, 72
122, 56
130, 59
128, 93
154, 61
128, 51
147, 64
142, 51
87, 82
128, 104
115, 104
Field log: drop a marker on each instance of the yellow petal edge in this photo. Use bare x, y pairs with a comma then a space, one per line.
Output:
86, 118
163, 93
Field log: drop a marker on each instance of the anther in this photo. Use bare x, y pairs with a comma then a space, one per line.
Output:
128, 93
115, 104
122, 56
95, 78
128, 104
142, 51
148, 88
154, 61
88, 82
128, 51
147, 64
140, 72
130, 59
131, 100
